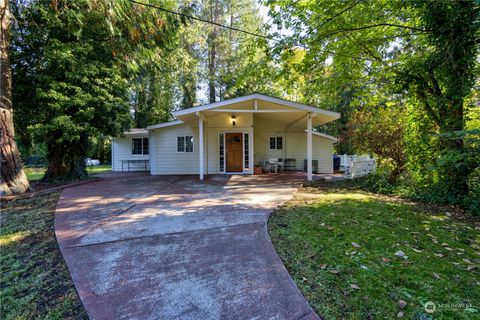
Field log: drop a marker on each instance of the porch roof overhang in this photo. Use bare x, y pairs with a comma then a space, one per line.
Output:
164, 124
323, 135
276, 109
135, 131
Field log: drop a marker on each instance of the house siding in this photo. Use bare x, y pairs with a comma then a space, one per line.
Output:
294, 145
167, 159
122, 150
264, 129
322, 150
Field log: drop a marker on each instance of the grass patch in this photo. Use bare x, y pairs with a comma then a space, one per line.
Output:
340, 247
35, 283
36, 173
99, 169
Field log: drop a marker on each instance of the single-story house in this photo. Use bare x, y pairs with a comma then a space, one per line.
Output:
229, 136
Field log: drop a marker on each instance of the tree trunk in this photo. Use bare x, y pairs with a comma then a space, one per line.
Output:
212, 52
65, 168
67, 162
211, 74
455, 172
101, 149
395, 173
14, 179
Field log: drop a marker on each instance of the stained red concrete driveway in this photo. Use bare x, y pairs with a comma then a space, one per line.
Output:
172, 247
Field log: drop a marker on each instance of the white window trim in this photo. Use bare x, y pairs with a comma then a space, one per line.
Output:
276, 146
140, 154
185, 144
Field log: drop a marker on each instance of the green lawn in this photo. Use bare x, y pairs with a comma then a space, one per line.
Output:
99, 169
35, 283
34, 174
340, 247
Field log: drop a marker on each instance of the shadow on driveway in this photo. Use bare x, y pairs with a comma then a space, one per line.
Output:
174, 247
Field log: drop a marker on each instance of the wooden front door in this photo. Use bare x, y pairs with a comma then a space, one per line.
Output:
234, 144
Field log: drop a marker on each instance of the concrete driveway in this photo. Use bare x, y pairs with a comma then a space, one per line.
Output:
172, 247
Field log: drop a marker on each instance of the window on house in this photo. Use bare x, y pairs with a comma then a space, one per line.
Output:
188, 144
145, 146
276, 143
185, 144
140, 146
180, 144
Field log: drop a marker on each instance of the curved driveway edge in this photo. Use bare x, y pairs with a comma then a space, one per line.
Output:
172, 247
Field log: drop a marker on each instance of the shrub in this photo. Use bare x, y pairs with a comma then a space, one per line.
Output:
431, 191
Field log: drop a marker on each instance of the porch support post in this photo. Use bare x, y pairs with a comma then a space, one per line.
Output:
309, 147
200, 146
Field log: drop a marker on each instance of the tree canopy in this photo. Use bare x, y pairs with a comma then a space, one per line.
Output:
78, 57
401, 73
387, 56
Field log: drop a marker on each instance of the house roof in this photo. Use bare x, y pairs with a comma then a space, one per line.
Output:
258, 96
292, 114
135, 131
164, 124
324, 135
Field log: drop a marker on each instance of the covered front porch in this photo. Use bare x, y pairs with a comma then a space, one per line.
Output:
237, 134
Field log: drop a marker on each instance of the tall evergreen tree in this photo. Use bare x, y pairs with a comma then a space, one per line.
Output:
84, 54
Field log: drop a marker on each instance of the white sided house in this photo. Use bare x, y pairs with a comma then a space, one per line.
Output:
230, 136
130, 152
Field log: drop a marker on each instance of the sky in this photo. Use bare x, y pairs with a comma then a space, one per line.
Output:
263, 11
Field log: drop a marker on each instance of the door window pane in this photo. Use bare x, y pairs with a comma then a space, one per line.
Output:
246, 158
221, 148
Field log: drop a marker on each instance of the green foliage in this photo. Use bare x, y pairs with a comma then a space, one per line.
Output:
472, 201
152, 96
377, 182
83, 55
361, 56
229, 63
441, 75
408, 187
379, 130
100, 147
331, 237
35, 280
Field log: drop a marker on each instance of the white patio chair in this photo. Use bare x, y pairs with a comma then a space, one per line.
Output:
281, 165
272, 164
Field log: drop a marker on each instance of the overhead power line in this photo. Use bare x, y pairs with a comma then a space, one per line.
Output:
233, 28
204, 20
